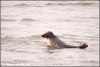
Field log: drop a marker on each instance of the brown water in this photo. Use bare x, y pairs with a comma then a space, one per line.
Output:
74, 22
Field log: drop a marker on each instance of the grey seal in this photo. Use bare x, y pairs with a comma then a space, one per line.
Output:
55, 42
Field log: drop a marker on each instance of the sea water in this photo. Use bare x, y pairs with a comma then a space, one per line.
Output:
74, 22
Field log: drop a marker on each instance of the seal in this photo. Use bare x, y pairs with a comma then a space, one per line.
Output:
55, 42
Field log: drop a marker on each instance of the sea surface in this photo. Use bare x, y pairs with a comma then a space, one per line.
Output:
74, 22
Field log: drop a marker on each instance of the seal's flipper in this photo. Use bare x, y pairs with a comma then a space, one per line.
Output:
83, 46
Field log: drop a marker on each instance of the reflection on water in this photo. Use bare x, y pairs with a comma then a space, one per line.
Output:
74, 22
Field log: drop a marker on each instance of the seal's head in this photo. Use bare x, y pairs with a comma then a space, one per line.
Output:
48, 34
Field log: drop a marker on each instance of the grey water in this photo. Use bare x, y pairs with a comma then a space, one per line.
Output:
74, 22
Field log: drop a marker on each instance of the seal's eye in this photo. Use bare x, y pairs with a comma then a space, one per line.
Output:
46, 34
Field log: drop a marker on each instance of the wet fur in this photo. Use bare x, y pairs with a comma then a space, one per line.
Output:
55, 42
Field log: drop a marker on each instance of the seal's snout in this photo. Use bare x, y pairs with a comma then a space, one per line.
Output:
42, 35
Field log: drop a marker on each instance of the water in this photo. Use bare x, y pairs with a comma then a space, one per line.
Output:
74, 22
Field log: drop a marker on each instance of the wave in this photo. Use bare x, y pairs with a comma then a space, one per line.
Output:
14, 3
8, 20
9, 38
22, 4
81, 3
31, 37
49, 4
6, 38
27, 19
38, 36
